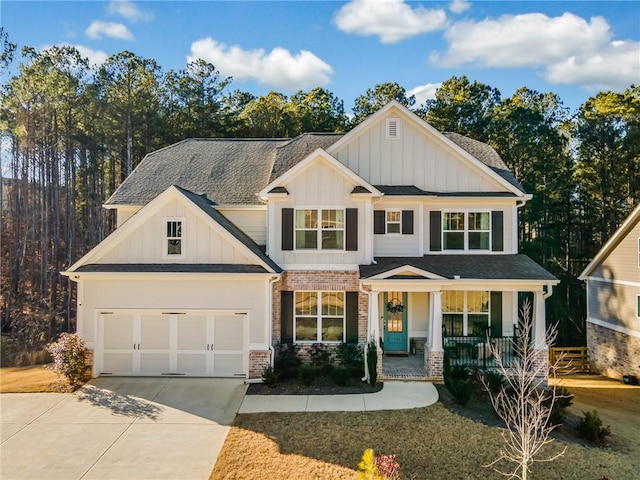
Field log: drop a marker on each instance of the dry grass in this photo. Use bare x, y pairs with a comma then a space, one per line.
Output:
431, 443
32, 379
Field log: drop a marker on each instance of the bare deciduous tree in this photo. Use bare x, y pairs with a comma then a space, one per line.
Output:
525, 403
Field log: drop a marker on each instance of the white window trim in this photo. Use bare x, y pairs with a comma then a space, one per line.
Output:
386, 128
465, 313
386, 221
319, 318
638, 306
466, 230
319, 230
165, 238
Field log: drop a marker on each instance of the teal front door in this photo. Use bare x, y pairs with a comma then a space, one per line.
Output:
395, 322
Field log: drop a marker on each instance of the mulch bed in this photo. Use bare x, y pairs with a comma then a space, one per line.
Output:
321, 386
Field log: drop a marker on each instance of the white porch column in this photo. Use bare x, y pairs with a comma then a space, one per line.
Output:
540, 322
436, 331
374, 320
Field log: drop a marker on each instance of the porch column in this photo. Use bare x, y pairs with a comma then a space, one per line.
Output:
374, 321
436, 330
540, 322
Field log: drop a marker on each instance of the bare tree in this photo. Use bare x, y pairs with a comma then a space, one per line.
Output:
524, 402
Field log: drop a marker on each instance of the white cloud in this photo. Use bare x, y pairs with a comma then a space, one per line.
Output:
278, 68
527, 40
129, 10
391, 20
459, 6
424, 92
612, 68
98, 29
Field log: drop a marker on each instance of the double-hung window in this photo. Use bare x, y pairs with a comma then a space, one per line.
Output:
393, 221
174, 238
465, 313
466, 230
319, 317
319, 228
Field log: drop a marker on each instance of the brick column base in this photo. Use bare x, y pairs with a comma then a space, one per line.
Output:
433, 362
88, 365
258, 359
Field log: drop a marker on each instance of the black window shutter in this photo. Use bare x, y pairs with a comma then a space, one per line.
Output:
352, 317
379, 227
496, 314
352, 229
287, 229
497, 231
286, 317
435, 231
407, 222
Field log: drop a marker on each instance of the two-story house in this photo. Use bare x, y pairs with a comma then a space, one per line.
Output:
613, 302
393, 233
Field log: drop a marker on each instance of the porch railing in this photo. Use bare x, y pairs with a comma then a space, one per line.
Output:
475, 351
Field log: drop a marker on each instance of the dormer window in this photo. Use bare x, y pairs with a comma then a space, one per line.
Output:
393, 128
174, 238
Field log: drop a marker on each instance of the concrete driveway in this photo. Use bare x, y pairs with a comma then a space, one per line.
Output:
119, 428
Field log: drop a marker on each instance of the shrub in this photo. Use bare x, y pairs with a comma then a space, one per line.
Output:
320, 358
269, 376
340, 375
350, 355
367, 469
307, 374
69, 357
590, 427
287, 361
388, 467
459, 372
494, 380
461, 390
562, 400
372, 363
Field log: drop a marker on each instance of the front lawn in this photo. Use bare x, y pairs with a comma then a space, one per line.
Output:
431, 443
31, 379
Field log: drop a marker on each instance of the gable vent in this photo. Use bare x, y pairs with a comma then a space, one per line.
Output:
393, 128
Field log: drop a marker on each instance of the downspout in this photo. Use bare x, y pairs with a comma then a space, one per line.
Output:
549, 291
272, 280
366, 345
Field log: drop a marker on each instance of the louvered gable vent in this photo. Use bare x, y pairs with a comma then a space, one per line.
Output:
393, 128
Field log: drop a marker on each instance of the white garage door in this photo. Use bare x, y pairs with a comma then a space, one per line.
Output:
210, 343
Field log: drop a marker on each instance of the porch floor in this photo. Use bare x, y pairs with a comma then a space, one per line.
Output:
404, 368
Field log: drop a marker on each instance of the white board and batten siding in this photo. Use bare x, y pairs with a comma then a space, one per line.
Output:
201, 242
319, 186
411, 159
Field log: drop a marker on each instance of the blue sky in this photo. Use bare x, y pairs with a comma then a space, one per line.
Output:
572, 48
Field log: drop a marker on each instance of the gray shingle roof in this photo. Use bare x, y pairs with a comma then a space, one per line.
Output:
494, 267
297, 149
486, 154
205, 205
170, 268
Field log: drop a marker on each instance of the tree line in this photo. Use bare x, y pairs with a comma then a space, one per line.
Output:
70, 133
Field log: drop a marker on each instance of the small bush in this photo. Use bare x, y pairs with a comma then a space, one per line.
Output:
459, 372
69, 357
494, 380
461, 390
372, 363
563, 399
340, 375
307, 374
320, 358
269, 376
388, 466
350, 355
287, 361
590, 427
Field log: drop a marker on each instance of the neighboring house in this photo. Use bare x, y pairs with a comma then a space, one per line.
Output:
393, 233
613, 302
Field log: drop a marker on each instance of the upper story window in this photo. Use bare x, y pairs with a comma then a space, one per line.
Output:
393, 221
174, 238
465, 313
319, 316
319, 229
466, 230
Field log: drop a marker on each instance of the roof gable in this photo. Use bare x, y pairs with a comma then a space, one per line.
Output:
197, 205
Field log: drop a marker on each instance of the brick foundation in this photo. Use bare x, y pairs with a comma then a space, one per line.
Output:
433, 362
88, 365
258, 359
612, 353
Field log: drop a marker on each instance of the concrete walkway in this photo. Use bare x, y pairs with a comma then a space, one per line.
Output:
395, 395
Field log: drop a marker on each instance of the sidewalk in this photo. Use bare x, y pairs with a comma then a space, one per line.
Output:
395, 395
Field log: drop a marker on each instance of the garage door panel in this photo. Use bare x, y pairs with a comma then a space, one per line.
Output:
194, 363
192, 332
118, 331
155, 363
117, 362
228, 363
155, 332
228, 332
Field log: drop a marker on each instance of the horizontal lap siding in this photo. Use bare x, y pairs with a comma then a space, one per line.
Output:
622, 262
251, 222
613, 303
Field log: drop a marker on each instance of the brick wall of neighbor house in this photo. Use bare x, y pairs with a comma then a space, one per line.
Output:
612, 353
258, 359
320, 281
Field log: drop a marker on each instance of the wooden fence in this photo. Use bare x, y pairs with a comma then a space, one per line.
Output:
570, 359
